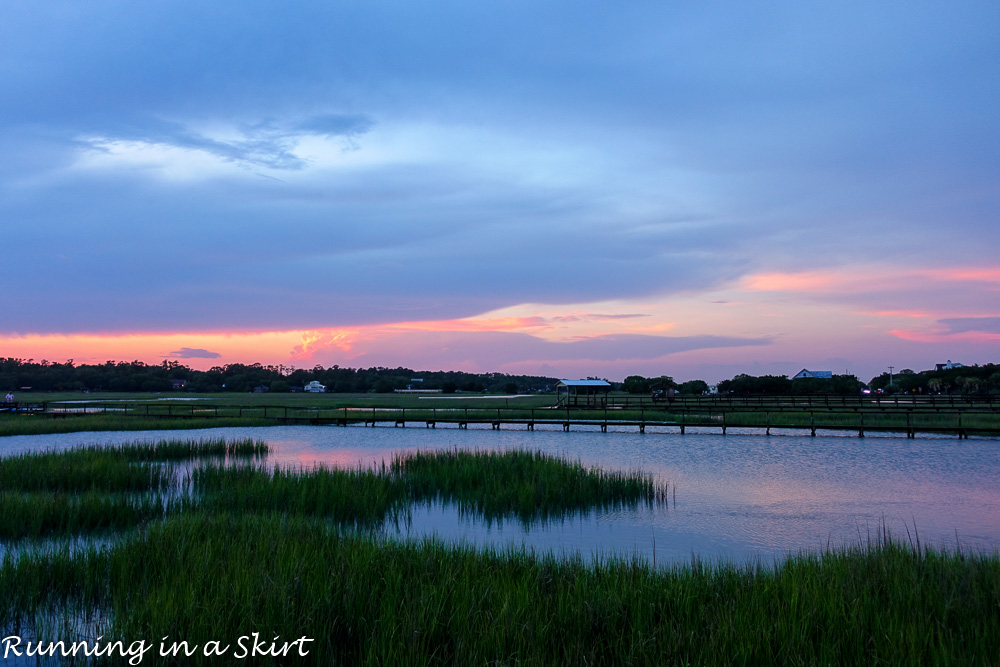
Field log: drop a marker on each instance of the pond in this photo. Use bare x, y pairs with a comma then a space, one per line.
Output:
739, 497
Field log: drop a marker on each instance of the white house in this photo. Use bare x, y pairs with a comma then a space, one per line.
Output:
948, 366
315, 387
821, 375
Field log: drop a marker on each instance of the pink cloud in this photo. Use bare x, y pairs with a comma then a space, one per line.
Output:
914, 314
792, 282
915, 336
866, 279
984, 275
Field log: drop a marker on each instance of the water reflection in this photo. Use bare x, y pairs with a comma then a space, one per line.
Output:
737, 496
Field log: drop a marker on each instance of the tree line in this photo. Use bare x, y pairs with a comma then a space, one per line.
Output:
137, 376
976, 379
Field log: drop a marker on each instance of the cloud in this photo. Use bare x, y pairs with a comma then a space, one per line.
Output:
989, 325
192, 353
494, 350
597, 317
266, 143
955, 330
887, 290
446, 160
336, 125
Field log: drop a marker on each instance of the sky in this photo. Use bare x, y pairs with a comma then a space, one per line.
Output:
572, 189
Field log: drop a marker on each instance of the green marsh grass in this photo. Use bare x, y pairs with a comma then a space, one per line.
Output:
34, 515
492, 485
202, 577
129, 467
358, 498
95, 488
170, 450
527, 484
100, 489
81, 470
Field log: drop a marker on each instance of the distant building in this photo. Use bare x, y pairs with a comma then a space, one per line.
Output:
261, 388
948, 366
819, 375
315, 387
177, 385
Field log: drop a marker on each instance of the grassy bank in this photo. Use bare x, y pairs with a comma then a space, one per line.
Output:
324, 400
202, 578
38, 425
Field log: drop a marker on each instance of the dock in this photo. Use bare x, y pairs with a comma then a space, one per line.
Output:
907, 419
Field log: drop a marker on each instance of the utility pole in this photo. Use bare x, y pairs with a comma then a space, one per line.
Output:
890, 375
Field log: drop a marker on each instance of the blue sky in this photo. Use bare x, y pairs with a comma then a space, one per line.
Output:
570, 188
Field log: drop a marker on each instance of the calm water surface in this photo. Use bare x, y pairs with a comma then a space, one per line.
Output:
738, 497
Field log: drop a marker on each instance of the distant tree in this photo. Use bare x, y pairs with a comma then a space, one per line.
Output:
384, 386
510, 388
909, 383
448, 387
837, 384
240, 382
902, 383
636, 384
155, 385
845, 385
746, 385
694, 387
970, 385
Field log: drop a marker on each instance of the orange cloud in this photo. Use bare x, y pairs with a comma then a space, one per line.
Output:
205, 349
209, 349
314, 341
345, 340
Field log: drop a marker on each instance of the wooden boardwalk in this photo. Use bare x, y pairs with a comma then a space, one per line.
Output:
907, 421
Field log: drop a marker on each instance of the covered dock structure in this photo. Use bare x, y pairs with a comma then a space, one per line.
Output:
582, 393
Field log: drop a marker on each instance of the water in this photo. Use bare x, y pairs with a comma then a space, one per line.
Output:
739, 497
